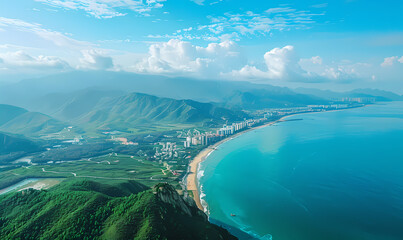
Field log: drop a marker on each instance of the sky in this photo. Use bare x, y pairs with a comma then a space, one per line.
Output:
330, 44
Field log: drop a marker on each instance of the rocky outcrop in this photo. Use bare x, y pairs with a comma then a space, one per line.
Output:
167, 194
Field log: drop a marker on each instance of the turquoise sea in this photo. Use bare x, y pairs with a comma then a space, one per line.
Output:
332, 175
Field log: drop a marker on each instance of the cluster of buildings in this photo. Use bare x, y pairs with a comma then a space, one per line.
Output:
167, 151
201, 139
310, 108
208, 138
355, 99
231, 129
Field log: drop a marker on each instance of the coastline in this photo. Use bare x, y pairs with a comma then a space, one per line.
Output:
192, 181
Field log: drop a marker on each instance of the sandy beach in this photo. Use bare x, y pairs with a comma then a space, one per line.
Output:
192, 183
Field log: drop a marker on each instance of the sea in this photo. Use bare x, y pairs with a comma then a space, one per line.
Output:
328, 176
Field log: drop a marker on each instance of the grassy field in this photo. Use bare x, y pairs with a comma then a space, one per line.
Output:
108, 168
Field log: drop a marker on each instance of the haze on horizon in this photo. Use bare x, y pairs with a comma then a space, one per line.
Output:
337, 45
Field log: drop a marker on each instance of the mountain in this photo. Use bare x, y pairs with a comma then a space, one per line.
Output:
68, 106
13, 147
261, 99
137, 108
25, 93
379, 95
20, 121
81, 209
12, 143
8, 112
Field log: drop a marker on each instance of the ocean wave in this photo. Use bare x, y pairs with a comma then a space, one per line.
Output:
200, 174
203, 201
250, 232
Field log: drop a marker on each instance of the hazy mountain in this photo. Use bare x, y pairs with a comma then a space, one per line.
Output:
379, 95
8, 112
26, 92
68, 106
91, 210
20, 121
260, 99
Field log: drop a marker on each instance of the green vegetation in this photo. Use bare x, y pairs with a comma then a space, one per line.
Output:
135, 112
78, 209
106, 168
13, 147
20, 121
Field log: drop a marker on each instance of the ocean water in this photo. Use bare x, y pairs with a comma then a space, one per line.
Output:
333, 175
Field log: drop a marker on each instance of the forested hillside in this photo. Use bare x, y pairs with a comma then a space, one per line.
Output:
80, 209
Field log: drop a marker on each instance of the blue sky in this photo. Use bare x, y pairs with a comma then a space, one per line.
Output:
335, 45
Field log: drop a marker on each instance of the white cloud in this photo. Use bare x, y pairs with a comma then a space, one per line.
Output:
321, 5
248, 23
202, 2
106, 8
316, 60
389, 61
176, 56
280, 10
21, 61
95, 60
198, 2
400, 59
280, 64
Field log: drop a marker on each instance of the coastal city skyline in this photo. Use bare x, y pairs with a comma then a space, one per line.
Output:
338, 45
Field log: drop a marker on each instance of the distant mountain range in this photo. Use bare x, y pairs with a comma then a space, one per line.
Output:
104, 110
105, 100
261, 99
379, 95
27, 92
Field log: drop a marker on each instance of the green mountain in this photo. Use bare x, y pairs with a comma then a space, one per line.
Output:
68, 106
90, 210
13, 147
19, 121
10, 143
101, 110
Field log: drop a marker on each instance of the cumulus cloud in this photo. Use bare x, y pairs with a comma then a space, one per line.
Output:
280, 64
95, 60
226, 60
106, 8
176, 56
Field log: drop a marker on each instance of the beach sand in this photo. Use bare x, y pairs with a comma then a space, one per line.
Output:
192, 181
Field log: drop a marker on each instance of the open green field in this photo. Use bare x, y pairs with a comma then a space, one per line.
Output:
109, 168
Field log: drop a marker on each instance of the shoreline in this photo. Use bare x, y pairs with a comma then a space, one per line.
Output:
192, 183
